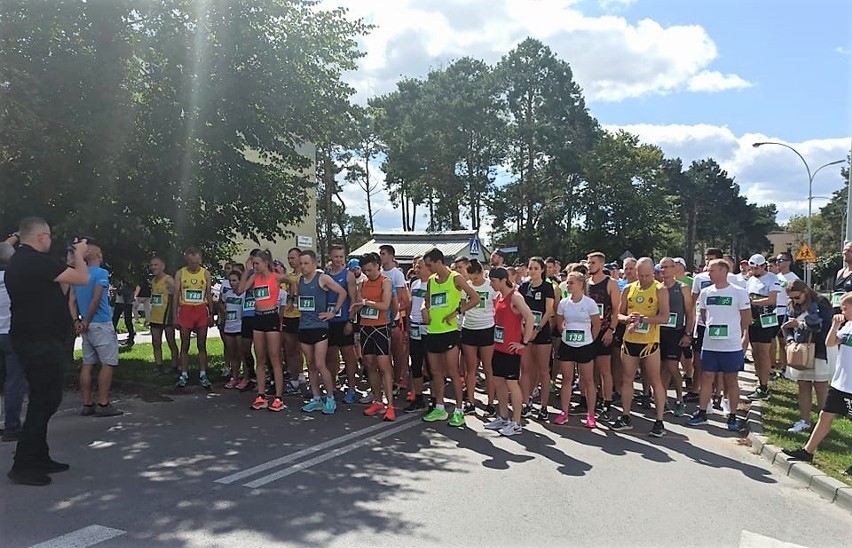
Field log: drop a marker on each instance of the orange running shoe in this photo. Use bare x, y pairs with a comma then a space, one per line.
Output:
390, 414
411, 395
277, 405
374, 409
260, 402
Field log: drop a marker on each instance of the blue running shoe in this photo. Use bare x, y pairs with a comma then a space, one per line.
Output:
350, 397
329, 407
315, 404
697, 419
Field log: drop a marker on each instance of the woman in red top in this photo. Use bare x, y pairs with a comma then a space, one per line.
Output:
260, 277
511, 337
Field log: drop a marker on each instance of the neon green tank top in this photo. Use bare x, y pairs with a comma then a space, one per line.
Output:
444, 300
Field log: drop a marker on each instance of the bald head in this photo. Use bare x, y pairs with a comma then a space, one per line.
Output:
645, 265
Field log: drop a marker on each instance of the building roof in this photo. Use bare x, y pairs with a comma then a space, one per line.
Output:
411, 244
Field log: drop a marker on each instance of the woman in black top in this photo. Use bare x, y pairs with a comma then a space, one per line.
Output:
535, 361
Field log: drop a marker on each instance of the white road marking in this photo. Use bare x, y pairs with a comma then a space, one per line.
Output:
310, 450
327, 456
754, 540
81, 538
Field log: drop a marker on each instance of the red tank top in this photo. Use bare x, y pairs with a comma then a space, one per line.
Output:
371, 290
507, 324
266, 292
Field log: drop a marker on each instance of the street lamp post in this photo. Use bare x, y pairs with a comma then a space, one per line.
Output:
811, 176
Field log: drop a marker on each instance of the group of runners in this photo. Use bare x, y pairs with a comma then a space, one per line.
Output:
516, 334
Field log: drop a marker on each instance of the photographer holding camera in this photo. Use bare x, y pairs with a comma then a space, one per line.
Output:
41, 322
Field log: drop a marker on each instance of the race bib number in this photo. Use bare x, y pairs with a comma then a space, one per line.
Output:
330, 308
672, 320
248, 305
194, 296
261, 292
370, 313
768, 320
717, 332
419, 293
156, 300
537, 317
600, 310
573, 336
307, 303
483, 297
414, 333
233, 300
720, 300
642, 327
835, 298
232, 315
438, 300
498, 334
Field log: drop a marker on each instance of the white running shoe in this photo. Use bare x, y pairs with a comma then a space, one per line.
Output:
799, 426
512, 429
497, 424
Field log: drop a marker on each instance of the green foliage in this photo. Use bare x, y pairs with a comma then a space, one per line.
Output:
160, 124
826, 267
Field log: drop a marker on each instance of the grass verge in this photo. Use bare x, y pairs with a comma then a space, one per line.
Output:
779, 414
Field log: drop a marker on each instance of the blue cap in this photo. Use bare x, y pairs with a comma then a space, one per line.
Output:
354, 263
657, 268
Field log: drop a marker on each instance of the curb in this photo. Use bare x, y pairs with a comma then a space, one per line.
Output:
825, 486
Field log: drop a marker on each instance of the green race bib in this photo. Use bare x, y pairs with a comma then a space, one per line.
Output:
261, 292
419, 293
248, 304
720, 300
573, 336
193, 296
232, 315
414, 333
717, 332
307, 303
835, 298
672, 320
438, 300
370, 313
156, 300
483, 297
600, 310
330, 308
498, 334
642, 327
537, 316
768, 320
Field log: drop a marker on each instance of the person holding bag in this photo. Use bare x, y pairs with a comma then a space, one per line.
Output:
807, 357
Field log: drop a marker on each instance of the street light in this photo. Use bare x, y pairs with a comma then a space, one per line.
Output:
810, 195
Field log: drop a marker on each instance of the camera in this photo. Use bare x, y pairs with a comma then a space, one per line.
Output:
89, 240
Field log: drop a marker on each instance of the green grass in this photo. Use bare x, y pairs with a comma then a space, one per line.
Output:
138, 325
779, 414
136, 365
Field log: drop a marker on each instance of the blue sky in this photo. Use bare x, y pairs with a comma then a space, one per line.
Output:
699, 78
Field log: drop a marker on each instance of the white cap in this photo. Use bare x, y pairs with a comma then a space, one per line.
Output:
680, 261
757, 260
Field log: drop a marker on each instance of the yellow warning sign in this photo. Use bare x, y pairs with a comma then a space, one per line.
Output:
806, 254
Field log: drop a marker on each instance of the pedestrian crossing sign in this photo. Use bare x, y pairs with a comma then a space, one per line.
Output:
475, 247
806, 254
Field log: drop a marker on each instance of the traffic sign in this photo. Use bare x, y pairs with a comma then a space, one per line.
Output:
806, 254
475, 247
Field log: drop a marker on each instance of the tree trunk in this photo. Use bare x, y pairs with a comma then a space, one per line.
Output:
328, 175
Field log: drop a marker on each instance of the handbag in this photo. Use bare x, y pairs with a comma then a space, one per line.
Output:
801, 356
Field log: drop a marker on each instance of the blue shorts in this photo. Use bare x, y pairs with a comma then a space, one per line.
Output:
722, 362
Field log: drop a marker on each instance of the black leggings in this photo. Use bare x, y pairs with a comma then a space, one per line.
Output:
417, 352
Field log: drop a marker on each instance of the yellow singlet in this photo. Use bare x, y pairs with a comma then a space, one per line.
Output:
643, 301
193, 287
294, 279
160, 301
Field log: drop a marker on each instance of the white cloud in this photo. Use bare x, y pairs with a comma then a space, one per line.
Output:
712, 81
612, 58
843, 51
769, 174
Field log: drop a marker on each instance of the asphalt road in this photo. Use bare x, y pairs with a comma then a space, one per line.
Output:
204, 470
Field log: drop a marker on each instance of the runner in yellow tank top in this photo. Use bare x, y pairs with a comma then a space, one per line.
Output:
644, 307
162, 316
193, 313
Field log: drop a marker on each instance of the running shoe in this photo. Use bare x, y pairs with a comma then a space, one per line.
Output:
390, 414
88, 410
622, 423
469, 408
250, 384
316, 404
489, 410
679, 409
182, 380
605, 415
436, 415
457, 419
497, 424
543, 415
260, 402
330, 406
561, 418
416, 405
699, 418
374, 409
589, 421
799, 426
526, 411
691, 397
242, 385
759, 394
726, 406
410, 396
277, 405
733, 424
658, 430
108, 410
290, 389
367, 398
536, 393
717, 403
204, 381
350, 396
231, 383
512, 429
799, 454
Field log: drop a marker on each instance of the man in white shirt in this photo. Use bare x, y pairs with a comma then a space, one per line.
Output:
725, 310
785, 276
402, 299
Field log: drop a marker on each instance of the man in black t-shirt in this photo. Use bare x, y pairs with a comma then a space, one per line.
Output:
41, 321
